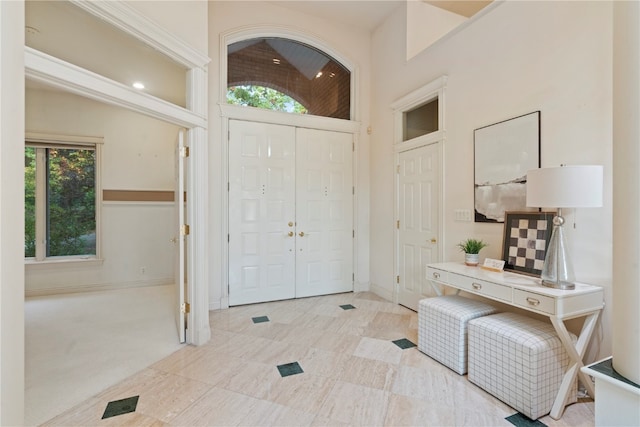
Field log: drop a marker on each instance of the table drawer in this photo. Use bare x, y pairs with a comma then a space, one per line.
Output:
480, 287
533, 301
436, 275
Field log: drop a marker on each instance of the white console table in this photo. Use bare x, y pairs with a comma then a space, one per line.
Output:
527, 293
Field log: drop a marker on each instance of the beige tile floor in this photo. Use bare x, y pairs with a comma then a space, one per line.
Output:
353, 375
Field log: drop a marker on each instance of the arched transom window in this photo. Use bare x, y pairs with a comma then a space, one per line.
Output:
286, 75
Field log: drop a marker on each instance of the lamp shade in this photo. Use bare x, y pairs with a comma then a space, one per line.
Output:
565, 187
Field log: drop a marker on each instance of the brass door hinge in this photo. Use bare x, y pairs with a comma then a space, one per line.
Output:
185, 308
184, 151
398, 224
397, 279
184, 230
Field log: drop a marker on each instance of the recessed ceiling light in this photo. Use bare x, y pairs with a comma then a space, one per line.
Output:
138, 85
276, 61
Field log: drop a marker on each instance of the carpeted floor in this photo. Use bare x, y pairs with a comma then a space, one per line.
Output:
77, 345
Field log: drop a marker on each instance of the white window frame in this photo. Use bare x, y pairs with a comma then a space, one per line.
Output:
94, 143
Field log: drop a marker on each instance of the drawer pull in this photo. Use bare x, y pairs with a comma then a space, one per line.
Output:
476, 286
436, 275
533, 301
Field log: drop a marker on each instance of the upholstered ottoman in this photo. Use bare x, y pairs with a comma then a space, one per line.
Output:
442, 328
519, 360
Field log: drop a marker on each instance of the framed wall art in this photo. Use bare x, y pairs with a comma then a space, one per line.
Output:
503, 153
525, 242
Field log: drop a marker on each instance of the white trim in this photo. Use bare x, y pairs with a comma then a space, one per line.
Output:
98, 287
463, 25
130, 21
433, 90
198, 329
252, 114
287, 32
51, 138
361, 287
55, 263
87, 142
420, 96
60, 74
420, 141
383, 292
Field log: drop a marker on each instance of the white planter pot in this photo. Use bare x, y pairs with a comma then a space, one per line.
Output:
471, 259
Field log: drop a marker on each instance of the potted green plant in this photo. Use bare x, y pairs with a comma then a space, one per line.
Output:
471, 249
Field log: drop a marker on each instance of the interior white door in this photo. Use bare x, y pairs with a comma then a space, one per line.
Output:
324, 212
180, 240
261, 212
419, 222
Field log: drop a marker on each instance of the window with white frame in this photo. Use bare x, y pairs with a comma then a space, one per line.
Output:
62, 198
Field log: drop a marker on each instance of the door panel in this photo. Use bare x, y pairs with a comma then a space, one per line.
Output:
324, 212
180, 241
261, 205
418, 185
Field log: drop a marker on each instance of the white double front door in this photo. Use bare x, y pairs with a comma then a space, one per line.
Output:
290, 212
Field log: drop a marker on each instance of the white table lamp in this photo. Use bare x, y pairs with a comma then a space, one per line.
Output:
562, 187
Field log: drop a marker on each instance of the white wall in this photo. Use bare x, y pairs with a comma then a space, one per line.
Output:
426, 24
520, 57
186, 19
626, 177
137, 154
353, 44
11, 213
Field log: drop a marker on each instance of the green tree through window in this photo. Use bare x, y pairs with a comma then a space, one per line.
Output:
68, 213
265, 98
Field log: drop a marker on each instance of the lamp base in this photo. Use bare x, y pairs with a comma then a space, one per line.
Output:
559, 285
557, 271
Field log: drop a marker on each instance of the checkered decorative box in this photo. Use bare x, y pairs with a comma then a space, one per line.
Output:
442, 328
519, 360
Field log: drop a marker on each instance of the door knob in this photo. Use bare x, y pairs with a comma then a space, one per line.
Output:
291, 234
433, 240
301, 234
290, 224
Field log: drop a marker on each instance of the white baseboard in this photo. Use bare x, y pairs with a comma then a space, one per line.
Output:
97, 287
200, 337
220, 304
382, 292
361, 287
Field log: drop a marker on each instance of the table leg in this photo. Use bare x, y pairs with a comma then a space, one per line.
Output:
437, 288
576, 353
